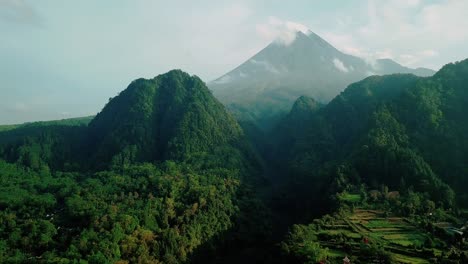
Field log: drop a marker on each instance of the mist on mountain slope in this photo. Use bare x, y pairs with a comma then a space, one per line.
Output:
263, 89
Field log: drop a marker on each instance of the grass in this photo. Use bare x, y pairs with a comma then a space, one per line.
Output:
333, 253
407, 259
351, 198
345, 232
388, 229
402, 242
378, 224
406, 240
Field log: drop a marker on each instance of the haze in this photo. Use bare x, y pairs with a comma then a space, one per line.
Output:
61, 59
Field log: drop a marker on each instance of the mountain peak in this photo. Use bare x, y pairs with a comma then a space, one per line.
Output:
312, 34
268, 83
301, 36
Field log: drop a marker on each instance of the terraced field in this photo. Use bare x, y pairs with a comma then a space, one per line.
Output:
365, 227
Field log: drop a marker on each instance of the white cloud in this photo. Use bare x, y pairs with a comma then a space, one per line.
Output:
266, 65
413, 32
414, 59
236, 13
370, 73
281, 31
347, 44
206, 38
340, 65
19, 107
19, 11
429, 53
384, 54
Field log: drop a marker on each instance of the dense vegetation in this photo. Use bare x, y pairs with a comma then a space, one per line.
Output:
385, 130
169, 117
386, 136
164, 174
109, 216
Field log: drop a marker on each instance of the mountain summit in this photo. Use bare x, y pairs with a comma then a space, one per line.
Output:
265, 86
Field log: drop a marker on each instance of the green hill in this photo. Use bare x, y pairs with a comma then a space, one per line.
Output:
165, 174
162, 175
385, 130
171, 117
394, 143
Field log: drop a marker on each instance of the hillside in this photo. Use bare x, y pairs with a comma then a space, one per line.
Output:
384, 130
387, 147
390, 112
163, 174
171, 117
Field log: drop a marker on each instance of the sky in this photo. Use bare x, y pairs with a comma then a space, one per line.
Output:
63, 59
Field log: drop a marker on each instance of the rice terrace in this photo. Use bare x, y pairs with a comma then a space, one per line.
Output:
360, 230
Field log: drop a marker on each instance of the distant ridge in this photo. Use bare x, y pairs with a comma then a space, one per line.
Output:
75, 121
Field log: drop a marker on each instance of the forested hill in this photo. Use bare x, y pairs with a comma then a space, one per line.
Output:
162, 175
402, 131
170, 117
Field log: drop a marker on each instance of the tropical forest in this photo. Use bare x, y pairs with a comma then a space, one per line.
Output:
302, 154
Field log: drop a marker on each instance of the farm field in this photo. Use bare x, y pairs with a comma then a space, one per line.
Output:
365, 228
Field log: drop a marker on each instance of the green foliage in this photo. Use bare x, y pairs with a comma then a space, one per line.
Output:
165, 175
400, 136
400, 130
148, 213
87, 194
173, 116
301, 244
